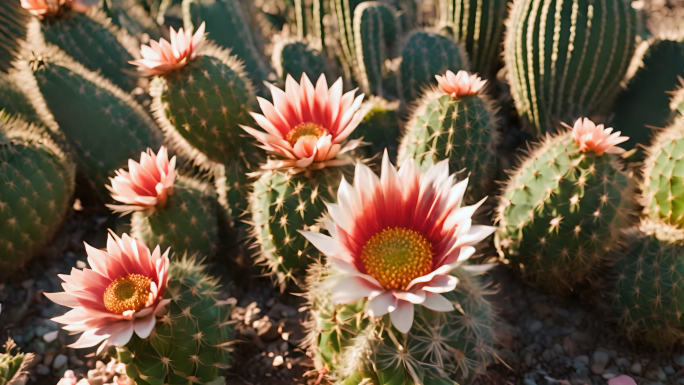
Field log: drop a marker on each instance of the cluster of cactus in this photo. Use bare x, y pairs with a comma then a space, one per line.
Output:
13, 366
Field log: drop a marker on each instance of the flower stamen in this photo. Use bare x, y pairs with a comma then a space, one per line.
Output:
130, 292
305, 130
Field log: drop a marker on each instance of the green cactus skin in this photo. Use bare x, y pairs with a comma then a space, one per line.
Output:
103, 125
190, 344
186, 224
131, 16
440, 348
309, 21
36, 192
462, 130
374, 29
379, 129
661, 192
282, 204
479, 25
295, 58
677, 103
425, 55
13, 367
228, 26
200, 108
13, 20
561, 212
648, 288
645, 104
14, 101
343, 10
92, 40
566, 58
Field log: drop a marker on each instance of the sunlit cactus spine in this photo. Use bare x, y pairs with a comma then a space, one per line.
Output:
380, 128
308, 21
479, 25
13, 366
566, 59
562, 209
294, 58
343, 12
456, 122
647, 293
38, 183
13, 18
424, 55
677, 102
374, 29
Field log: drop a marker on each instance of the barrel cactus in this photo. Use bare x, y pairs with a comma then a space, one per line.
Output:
294, 58
455, 122
13, 366
561, 211
380, 128
374, 30
566, 59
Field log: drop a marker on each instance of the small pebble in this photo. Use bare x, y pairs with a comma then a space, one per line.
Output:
51, 336
43, 370
635, 368
622, 362
669, 369
535, 326
60, 361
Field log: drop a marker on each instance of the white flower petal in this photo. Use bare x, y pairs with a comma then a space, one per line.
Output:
351, 289
382, 304
144, 326
437, 302
402, 316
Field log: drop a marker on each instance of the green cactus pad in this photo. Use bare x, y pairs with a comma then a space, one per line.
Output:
566, 59
425, 55
93, 41
36, 192
13, 20
200, 108
190, 344
645, 104
103, 125
281, 205
440, 348
560, 213
374, 30
379, 129
13, 367
186, 224
14, 101
648, 291
479, 25
462, 130
661, 193
295, 58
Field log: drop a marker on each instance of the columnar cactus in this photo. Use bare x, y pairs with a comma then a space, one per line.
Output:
13, 19
309, 21
14, 101
132, 16
566, 59
374, 29
562, 210
295, 58
425, 55
677, 102
455, 122
379, 129
479, 25
13, 366
38, 182
648, 291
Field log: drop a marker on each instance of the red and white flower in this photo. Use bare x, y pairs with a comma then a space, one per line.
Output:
48, 8
394, 239
590, 137
460, 84
163, 57
120, 294
306, 126
146, 185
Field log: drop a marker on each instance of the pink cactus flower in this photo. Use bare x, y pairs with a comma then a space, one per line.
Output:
622, 380
460, 84
306, 126
590, 137
163, 57
146, 185
121, 293
394, 239
48, 8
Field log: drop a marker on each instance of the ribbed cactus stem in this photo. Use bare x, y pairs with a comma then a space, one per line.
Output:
295, 58
374, 27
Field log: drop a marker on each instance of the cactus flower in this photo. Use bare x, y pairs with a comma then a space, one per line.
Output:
162, 57
120, 294
460, 84
43, 8
306, 126
146, 185
590, 137
394, 239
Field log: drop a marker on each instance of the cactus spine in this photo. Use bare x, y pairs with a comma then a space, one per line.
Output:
13, 367
566, 58
13, 19
561, 212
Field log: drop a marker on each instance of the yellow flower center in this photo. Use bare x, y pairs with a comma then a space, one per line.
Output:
303, 130
127, 293
396, 256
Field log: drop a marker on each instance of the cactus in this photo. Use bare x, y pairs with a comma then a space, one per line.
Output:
228, 26
131, 16
190, 344
14, 101
425, 55
374, 29
646, 293
479, 26
186, 224
560, 213
282, 204
677, 102
309, 21
645, 104
108, 128
13, 19
13, 367
461, 129
665, 19
440, 347
93, 41
661, 194
379, 128
295, 58
343, 11
36, 192
566, 59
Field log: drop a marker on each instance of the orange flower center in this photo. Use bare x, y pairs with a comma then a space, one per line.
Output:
396, 256
305, 130
127, 293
